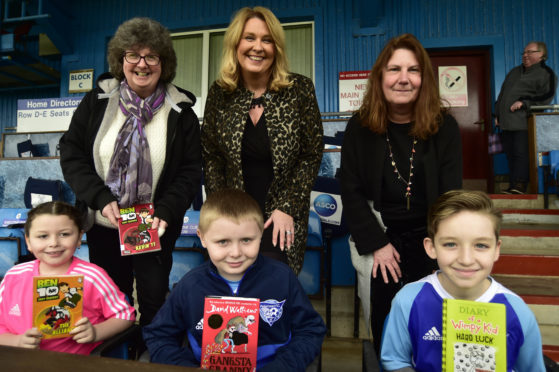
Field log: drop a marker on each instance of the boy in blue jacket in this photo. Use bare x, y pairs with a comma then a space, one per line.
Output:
230, 228
463, 229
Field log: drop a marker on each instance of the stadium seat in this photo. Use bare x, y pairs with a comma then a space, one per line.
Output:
187, 255
311, 275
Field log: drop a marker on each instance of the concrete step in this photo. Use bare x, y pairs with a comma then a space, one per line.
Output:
526, 201
529, 217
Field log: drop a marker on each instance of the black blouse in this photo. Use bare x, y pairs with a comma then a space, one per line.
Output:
256, 159
393, 208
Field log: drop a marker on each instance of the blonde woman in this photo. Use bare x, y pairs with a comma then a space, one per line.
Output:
262, 132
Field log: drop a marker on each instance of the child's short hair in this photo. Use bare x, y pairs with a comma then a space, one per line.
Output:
56, 208
456, 201
233, 204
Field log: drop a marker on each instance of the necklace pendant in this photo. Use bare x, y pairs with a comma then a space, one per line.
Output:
408, 201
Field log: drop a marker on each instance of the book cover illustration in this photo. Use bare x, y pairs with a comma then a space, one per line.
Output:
57, 304
135, 232
474, 336
230, 334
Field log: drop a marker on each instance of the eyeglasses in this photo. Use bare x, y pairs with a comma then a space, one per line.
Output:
530, 52
134, 58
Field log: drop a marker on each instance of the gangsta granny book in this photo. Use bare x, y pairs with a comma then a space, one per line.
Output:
134, 229
57, 304
230, 335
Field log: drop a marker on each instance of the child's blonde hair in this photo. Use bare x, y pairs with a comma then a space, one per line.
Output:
232, 204
456, 201
56, 208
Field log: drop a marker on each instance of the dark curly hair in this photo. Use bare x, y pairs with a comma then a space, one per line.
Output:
55, 208
137, 33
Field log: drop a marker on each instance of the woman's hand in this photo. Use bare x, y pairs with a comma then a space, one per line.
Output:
387, 258
516, 106
111, 212
283, 225
160, 225
30, 339
84, 331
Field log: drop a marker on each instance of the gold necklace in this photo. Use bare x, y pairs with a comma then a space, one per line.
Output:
393, 162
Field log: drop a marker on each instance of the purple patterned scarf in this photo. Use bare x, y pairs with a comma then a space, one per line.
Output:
130, 174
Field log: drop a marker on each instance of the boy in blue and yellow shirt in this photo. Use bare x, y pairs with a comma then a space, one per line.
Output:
463, 229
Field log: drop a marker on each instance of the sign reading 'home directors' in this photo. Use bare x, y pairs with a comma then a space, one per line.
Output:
45, 114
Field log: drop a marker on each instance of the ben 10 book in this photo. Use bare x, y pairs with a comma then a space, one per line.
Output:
474, 336
230, 335
135, 232
57, 304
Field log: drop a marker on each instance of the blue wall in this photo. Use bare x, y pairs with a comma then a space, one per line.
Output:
341, 42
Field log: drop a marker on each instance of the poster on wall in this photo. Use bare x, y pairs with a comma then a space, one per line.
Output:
327, 206
453, 85
45, 114
352, 87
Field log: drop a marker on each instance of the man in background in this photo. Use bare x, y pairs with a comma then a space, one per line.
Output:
530, 84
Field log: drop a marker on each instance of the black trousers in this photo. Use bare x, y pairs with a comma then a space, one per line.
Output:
515, 145
151, 270
267, 248
414, 265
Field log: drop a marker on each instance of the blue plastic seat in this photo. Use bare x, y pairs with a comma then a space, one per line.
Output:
83, 250
554, 167
189, 252
10, 248
311, 275
12, 237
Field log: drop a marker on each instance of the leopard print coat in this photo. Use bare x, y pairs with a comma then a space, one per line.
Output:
295, 131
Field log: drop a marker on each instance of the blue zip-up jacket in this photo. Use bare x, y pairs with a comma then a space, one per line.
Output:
288, 344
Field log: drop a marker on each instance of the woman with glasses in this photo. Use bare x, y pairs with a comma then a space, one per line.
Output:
262, 132
135, 139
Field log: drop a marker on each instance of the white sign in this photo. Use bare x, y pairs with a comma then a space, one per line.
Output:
45, 114
327, 206
80, 81
352, 87
453, 85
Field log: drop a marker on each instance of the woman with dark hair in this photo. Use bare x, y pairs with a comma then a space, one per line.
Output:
401, 151
132, 140
262, 132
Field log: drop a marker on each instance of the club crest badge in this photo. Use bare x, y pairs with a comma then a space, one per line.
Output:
271, 311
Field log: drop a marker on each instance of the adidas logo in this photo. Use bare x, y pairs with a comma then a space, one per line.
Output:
15, 310
432, 335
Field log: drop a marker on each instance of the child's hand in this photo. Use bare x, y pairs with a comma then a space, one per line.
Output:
83, 332
30, 339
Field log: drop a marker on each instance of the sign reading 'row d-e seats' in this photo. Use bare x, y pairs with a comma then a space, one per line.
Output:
45, 114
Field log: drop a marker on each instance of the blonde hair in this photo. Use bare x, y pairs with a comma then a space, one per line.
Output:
233, 204
456, 201
427, 111
229, 73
